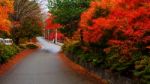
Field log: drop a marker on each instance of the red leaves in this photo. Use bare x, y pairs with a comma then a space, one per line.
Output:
128, 16
102, 22
53, 34
40, 23
128, 21
50, 24
92, 36
146, 39
115, 42
87, 15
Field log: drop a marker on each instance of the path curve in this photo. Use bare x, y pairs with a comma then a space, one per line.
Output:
43, 67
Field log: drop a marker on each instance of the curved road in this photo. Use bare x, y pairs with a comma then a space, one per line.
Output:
43, 67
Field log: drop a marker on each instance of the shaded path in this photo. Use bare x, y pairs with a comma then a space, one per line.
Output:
43, 67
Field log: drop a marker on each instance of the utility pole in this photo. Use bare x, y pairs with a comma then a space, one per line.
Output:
48, 35
44, 33
56, 36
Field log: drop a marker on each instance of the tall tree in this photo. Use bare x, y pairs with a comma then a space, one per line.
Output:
67, 13
24, 9
31, 27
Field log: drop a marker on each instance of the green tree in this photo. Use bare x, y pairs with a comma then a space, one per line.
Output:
67, 13
30, 28
24, 9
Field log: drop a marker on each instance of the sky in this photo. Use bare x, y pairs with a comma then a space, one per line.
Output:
44, 8
43, 4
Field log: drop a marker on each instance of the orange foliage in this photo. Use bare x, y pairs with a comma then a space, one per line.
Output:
6, 7
131, 17
125, 25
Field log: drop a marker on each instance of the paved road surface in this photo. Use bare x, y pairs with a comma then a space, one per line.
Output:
43, 67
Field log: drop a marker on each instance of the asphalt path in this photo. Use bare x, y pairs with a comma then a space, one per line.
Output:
43, 67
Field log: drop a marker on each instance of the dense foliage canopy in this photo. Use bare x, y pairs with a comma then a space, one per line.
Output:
116, 36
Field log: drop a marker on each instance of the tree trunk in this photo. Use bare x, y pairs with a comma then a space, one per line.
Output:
17, 41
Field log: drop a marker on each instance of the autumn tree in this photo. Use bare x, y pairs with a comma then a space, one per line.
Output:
117, 22
52, 28
6, 7
121, 31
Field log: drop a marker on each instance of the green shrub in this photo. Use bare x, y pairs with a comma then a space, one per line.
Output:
70, 47
135, 66
32, 46
83, 53
142, 69
6, 52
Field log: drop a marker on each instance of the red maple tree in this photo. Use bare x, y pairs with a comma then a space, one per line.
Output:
51, 26
121, 22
